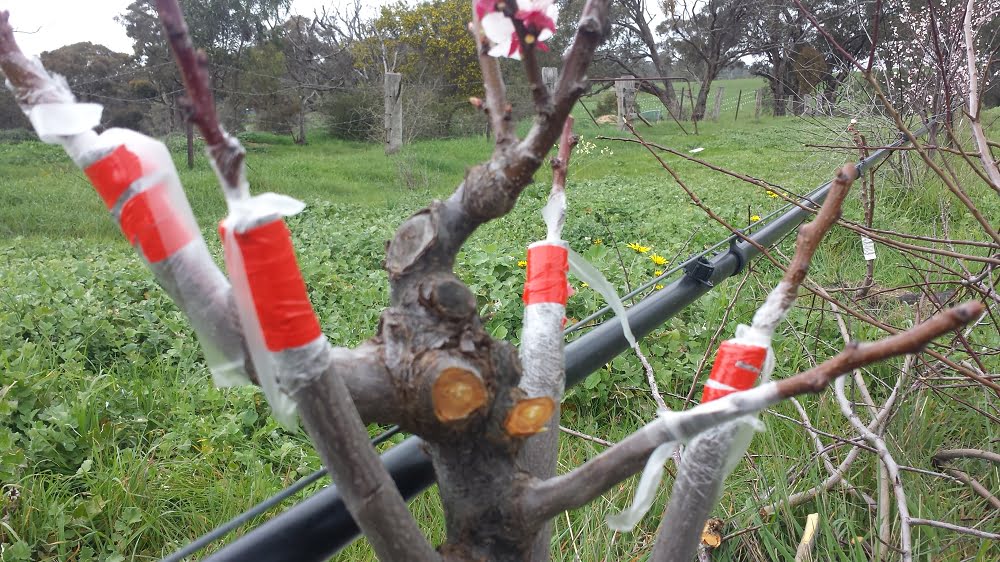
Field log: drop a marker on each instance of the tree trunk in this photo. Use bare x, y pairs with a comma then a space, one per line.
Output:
302, 121
698, 112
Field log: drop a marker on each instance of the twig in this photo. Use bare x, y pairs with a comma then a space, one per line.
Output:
323, 400
497, 109
940, 461
581, 435
227, 152
956, 528
951, 454
544, 499
906, 548
973, 73
650, 378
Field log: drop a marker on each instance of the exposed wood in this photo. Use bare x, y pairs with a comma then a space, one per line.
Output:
804, 552
529, 416
457, 393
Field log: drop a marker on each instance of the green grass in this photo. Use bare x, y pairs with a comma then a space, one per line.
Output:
121, 449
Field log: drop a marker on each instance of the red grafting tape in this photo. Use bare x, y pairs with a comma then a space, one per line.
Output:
150, 224
279, 293
112, 174
737, 365
546, 279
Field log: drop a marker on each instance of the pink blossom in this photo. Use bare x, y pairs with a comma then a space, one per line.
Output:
537, 16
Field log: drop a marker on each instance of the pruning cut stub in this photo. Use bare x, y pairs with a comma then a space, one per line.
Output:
736, 368
548, 265
286, 316
456, 394
530, 416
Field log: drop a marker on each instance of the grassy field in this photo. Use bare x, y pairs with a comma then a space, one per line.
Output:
115, 446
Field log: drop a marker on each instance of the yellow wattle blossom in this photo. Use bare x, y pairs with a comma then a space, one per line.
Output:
658, 259
522, 264
771, 194
754, 218
639, 247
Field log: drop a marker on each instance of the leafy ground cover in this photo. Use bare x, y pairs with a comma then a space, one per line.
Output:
115, 446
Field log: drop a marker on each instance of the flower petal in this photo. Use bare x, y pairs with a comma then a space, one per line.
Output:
497, 27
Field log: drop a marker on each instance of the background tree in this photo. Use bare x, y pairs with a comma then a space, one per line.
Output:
714, 33
102, 76
226, 30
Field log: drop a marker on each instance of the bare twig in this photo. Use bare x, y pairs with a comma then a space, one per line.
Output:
977, 127
581, 435
891, 468
956, 528
324, 402
497, 108
227, 153
545, 499
940, 461
654, 389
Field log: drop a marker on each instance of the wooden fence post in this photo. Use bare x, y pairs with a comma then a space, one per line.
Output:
739, 100
393, 112
718, 103
758, 103
550, 76
680, 109
625, 92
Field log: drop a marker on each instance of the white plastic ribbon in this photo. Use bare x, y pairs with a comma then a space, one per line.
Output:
589, 274
54, 120
645, 492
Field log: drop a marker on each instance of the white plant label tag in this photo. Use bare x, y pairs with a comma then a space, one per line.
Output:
868, 247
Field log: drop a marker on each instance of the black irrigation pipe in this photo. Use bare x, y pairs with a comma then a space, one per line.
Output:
320, 526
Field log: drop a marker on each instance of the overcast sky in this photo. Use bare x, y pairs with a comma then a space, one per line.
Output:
64, 22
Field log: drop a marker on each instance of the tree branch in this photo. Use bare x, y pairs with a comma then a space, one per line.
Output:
226, 152
545, 499
314, 382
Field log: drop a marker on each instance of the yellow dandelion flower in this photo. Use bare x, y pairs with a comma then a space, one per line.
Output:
522, 264
658, 259
658, 286
754, 218
639, 248
584, 284
598, 241
771, 194
658, 272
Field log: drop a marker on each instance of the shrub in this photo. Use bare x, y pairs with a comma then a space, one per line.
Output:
607, 104
352, 115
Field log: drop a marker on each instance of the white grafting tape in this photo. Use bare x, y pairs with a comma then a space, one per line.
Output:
54, 120
245, 214
645, 492
589, 274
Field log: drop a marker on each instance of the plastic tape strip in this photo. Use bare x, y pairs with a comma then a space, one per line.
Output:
114, 173
737, 367
546, 279
150, 224
279, 294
